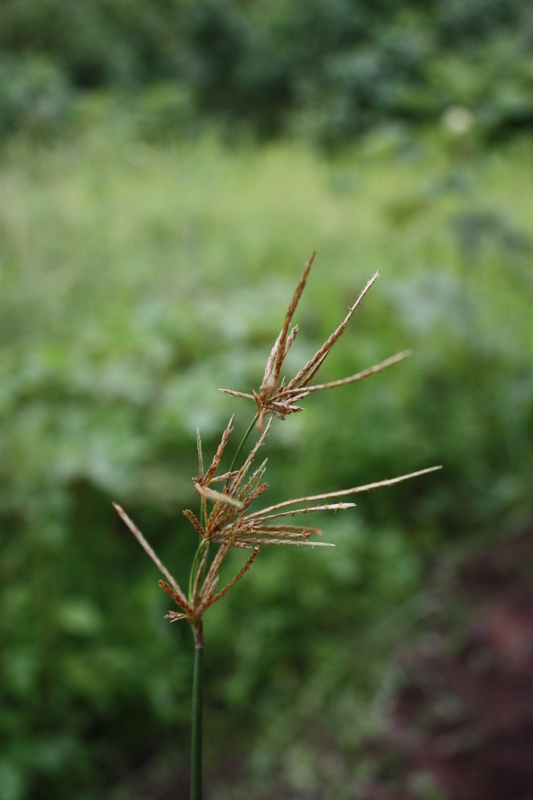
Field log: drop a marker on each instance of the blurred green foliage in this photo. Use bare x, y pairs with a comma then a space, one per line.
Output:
34, 97
143, 264
328, 69
138, 277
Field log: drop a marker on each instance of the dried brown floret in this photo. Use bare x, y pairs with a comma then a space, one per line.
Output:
281, 400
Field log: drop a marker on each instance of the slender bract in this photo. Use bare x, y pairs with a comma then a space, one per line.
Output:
225, 522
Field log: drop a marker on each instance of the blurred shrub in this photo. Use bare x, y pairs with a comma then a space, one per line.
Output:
164, 111
328, 69
34, 96
102, 42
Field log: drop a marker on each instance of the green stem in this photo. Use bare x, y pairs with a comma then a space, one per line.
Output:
243, 441
197, 712
202, 545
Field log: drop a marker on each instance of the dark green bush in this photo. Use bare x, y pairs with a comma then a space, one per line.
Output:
34, 96
331, 69
162, 112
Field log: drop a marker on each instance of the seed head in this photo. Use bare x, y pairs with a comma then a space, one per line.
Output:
281, 398
225, 520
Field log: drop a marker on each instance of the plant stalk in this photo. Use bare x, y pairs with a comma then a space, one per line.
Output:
197, 714
243, 442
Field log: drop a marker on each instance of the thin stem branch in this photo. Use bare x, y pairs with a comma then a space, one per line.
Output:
343, 492
159, 564
243, 441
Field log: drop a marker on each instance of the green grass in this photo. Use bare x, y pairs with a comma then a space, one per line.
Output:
135, 280
103, 223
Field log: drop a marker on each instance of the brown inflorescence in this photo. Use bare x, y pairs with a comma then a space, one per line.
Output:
225, 520
281, 398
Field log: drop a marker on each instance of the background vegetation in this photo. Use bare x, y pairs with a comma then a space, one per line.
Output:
328, 70
148, 247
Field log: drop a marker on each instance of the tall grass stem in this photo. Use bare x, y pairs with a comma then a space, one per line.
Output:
197, 715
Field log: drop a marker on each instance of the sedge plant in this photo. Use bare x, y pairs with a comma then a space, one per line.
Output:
225, 519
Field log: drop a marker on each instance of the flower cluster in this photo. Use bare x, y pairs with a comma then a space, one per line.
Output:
225, 520
280, 398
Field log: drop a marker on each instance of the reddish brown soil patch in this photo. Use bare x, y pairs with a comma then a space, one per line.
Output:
464, 717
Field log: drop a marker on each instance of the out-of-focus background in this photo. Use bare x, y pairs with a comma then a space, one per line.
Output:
166, 169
